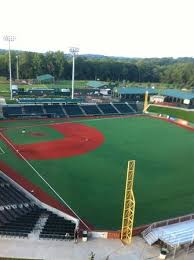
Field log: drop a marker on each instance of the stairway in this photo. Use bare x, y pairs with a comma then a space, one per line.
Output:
115, 108
44, 110
1, 112
151, 238
83, 111
131, 107
100, 109
34, 235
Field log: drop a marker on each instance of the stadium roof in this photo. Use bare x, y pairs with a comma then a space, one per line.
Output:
96, 84
45, 77
177, 94
135, 90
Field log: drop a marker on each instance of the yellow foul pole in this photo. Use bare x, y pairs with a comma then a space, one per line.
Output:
145, 102
129, 205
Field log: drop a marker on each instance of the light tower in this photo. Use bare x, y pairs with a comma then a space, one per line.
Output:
17, 67
74, 51
9, 39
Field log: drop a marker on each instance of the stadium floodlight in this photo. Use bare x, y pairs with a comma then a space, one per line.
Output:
74, 51
17, 67
9, 39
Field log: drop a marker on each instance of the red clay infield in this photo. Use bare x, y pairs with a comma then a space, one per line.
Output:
78, 139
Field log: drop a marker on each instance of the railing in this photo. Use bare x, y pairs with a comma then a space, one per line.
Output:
166, 223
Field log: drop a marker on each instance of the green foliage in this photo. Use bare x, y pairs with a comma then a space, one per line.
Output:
154, 70
9, 101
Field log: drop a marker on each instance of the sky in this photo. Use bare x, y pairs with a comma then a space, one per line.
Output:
129, 28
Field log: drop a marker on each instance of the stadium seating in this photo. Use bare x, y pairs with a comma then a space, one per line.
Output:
33, 110
123, 108
19, 215
134, 106
10, 195
54, 110
91, 110
20, 224
58, 110
58, 228
73, 110
107, 109
9, 111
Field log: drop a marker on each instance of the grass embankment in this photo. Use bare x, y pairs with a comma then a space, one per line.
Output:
5, 89
174, 112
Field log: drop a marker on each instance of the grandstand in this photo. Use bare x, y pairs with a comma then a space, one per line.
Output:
68, 110
23, 216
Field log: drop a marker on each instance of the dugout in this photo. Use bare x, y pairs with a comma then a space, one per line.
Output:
132, 93
179, 98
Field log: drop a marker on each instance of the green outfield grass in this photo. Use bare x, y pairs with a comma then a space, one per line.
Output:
4, 85
33, 134
93, 183
174, 112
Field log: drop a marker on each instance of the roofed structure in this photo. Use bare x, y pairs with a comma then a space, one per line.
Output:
45, 78
181, 98
133, 93
178, 94
97, 84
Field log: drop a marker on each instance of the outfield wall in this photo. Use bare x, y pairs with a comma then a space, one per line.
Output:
179, 113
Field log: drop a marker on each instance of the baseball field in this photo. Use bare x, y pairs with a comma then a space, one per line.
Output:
86, 161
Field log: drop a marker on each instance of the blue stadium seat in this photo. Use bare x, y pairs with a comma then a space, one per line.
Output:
123, 108
107, 109
9, 111
55, 110
33, 110
73, 110
91, 109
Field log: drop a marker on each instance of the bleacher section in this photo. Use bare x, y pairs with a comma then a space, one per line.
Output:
54, 110
134, 106
73, 110
91, 110
70, 110
20, 215
9, 111
174, 234
20, 221
107, 109
123, 108
33, 110
58, 228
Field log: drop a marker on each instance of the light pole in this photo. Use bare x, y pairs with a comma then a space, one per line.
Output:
9, 38
74, 51
138, 71
17, 67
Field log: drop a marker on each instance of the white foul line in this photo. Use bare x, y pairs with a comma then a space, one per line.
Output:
2, 152
43, 179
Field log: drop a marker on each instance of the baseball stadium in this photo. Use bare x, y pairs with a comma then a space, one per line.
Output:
77, 163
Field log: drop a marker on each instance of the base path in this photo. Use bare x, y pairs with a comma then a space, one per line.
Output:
78, 139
